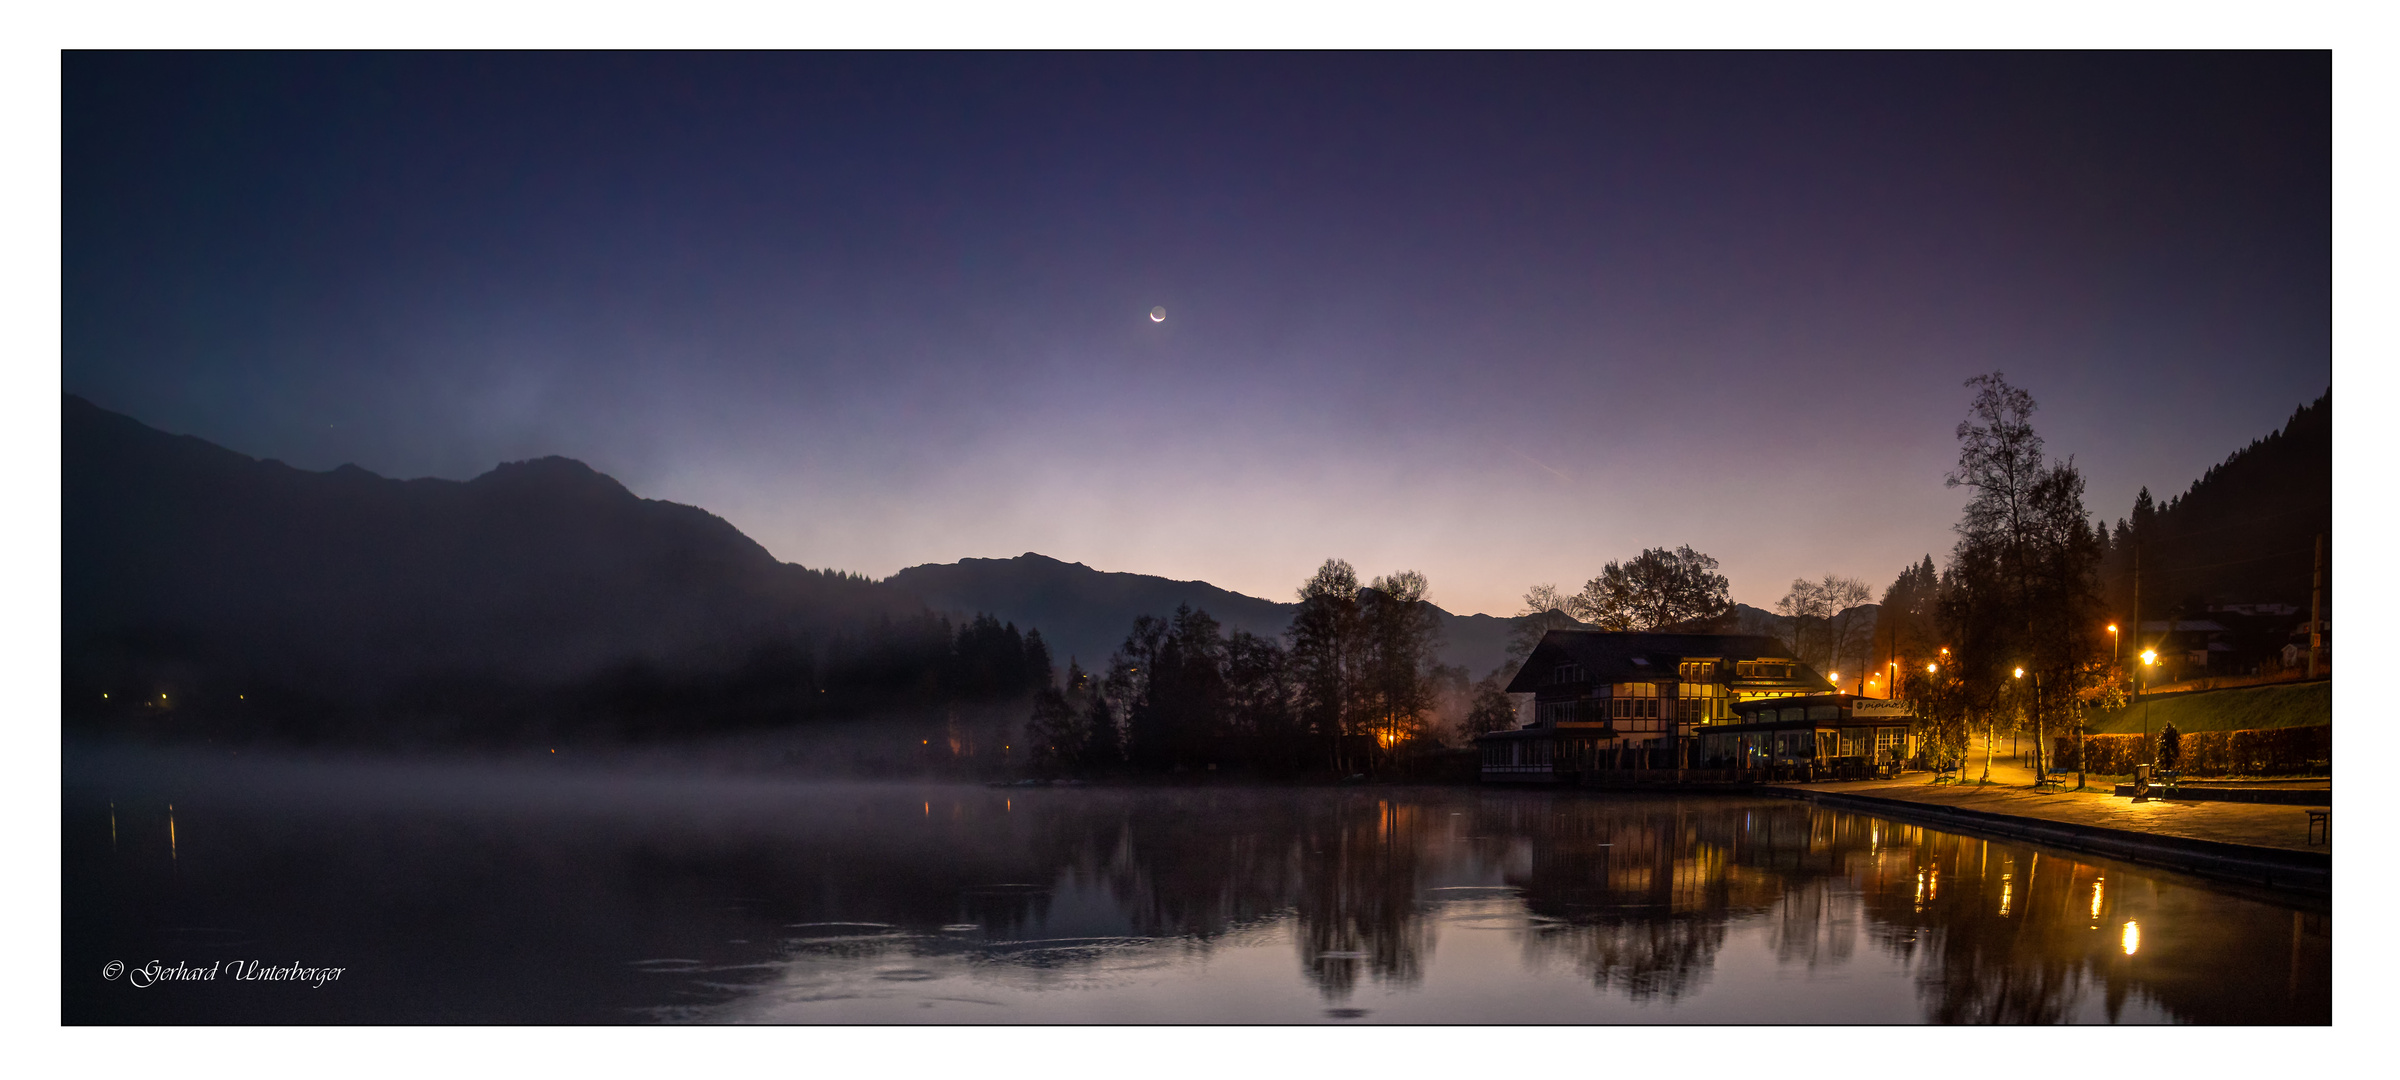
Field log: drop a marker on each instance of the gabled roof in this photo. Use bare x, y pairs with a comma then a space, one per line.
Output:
1610, 656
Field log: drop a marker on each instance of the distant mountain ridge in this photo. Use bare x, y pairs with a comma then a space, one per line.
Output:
1084, 613
182, 556
186, 565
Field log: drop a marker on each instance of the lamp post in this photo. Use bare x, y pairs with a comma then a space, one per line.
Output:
1923, 719
2149, 657
2012, 737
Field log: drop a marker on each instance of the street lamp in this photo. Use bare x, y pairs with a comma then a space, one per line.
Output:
2149, 659
2012, 735
2114, 663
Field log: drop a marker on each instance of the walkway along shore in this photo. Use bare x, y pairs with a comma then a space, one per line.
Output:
2259, 845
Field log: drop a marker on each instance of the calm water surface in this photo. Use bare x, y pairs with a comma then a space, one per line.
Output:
549, 894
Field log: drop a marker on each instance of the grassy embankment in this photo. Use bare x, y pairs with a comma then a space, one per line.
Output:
2250, 708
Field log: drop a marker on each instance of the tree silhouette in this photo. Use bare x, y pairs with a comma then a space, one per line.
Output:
1545, 610
1490, 709
2022, 582
1325, 652
1827, 628
1399, 631
1656, 590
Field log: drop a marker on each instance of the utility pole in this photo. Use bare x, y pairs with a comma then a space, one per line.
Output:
2137, 609
2316, 609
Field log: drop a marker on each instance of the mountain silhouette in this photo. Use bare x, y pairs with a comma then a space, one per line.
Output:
187, 563
1084, 613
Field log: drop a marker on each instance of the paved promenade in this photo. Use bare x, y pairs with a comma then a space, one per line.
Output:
2011, 792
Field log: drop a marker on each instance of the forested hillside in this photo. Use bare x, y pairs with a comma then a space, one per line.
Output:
2244, 533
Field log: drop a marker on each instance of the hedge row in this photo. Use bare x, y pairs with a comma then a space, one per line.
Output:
2213, 753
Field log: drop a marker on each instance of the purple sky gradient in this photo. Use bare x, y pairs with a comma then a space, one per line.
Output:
1499, 319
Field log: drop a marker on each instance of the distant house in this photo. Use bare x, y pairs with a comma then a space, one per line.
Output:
2230, 639
1605, 701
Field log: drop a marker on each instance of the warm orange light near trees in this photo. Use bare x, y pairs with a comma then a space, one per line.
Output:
2149, 657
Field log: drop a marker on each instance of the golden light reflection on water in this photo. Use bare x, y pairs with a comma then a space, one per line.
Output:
1484, 907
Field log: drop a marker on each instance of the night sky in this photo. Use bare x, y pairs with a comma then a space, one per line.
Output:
1501, 319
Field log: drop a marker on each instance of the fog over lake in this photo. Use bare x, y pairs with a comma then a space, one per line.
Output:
556, 891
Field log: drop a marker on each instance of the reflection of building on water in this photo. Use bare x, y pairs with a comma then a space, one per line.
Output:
1643, 894
1691, 707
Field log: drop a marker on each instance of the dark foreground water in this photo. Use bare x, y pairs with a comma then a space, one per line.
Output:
453, 894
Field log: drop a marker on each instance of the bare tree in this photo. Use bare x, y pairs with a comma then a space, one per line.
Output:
1850, 626
1545, 610
1805, 605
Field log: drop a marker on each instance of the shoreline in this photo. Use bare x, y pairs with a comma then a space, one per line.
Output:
2283, 871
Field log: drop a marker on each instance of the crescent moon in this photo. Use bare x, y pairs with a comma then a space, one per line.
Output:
1158, 314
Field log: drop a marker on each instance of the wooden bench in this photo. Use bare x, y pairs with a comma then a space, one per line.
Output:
2056, 782
2320, 826
1946, 776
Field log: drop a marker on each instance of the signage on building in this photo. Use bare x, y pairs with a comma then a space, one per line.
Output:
1879, 708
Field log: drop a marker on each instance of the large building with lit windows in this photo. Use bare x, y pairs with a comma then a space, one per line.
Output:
1606, 702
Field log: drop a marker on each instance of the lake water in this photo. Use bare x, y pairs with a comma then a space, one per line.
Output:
545, 893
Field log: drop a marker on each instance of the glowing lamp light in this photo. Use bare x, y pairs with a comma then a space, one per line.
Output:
1929, 669
2020, 673
2112, 628
2149, 657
